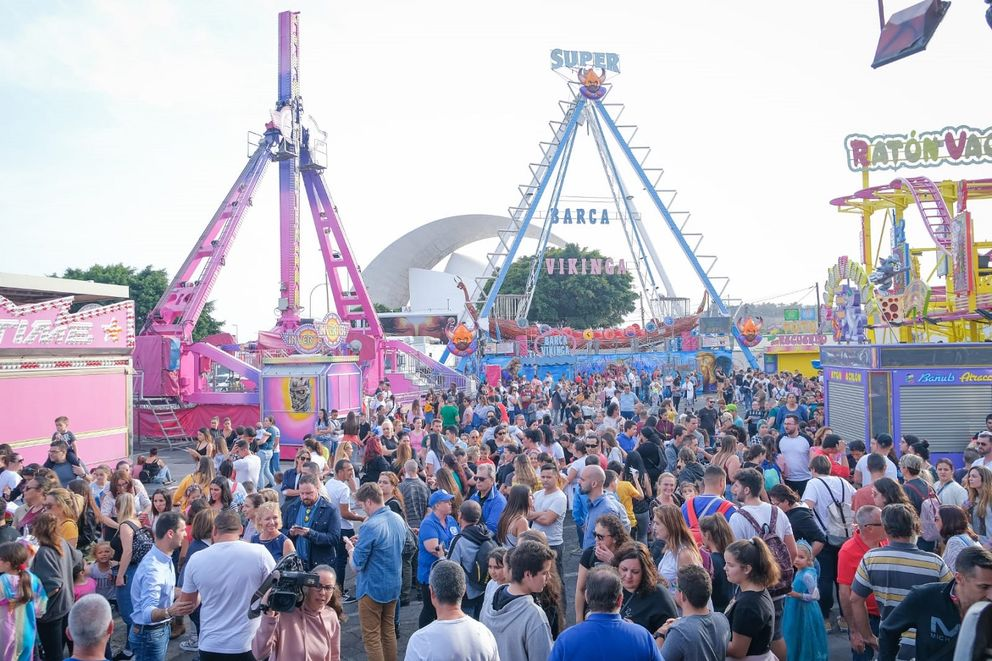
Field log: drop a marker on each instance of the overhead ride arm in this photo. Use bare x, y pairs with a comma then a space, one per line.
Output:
176, 313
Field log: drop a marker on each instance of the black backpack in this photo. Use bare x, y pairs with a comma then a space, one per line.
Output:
478, 572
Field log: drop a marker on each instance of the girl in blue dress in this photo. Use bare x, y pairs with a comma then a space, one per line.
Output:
802, 622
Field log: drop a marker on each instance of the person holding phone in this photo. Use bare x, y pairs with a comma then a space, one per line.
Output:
313, 524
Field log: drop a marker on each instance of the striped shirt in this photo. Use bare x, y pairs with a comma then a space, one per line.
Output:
890, 572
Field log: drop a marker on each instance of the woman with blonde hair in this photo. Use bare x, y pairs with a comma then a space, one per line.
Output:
680, 545
344, 451
979, 504
404, 453
727, 459
130, 545
524, 473
62, 504
202, 477
268, 522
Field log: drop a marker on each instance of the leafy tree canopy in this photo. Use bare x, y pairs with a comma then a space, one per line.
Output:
579, 301
146, 287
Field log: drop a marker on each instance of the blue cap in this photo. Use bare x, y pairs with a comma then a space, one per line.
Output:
439, 496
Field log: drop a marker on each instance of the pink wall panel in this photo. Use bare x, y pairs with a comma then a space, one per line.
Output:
92, 402
105, 449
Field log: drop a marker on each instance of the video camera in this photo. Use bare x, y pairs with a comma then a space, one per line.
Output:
285, 587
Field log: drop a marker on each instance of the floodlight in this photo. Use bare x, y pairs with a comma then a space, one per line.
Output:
908, 31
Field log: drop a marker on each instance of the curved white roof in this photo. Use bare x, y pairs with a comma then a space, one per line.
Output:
387, 276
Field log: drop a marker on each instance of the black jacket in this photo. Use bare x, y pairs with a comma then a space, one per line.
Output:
928, 609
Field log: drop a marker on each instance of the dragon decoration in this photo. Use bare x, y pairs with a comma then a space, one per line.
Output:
462, 340
606, 338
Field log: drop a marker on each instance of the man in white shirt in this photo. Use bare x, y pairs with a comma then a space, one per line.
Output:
341, 493
880, 445
983, 445
795, 451
247, 465
223, 578
453, 635
549, 512
748, 484
822, 491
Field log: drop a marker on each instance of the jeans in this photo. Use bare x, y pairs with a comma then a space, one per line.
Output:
149, 643
124, 605
51, 638
274, 464
341, 557
559, 565
427, 612
378, 628
643, 519
265, 478
827, 581
869, 653
473, 607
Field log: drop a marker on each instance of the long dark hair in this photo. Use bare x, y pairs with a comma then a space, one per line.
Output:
225, 491
517, 504
754, 553
891, 491
350, 426
649, 575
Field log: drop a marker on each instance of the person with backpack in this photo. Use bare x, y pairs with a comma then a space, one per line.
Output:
829, 497
757, 518
711, 501
924, 500
471, 548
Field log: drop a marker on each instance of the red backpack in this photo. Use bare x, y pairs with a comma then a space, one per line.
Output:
694, 518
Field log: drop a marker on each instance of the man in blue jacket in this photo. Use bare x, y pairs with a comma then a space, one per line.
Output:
487, 494
313, 524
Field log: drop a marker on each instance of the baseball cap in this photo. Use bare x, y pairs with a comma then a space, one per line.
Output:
439, 496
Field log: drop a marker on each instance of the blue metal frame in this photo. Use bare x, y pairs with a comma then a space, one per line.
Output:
626, 204
580, 102
700, 272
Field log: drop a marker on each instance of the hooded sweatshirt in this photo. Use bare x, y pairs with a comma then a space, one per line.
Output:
519, 625
299, 635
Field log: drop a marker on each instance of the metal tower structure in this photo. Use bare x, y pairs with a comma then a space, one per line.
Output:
300, 153
613, 144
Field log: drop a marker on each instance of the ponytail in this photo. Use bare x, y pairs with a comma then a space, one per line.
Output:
756, 555
16, 554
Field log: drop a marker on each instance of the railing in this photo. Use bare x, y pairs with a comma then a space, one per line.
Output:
423, 371
137, 384
509, 306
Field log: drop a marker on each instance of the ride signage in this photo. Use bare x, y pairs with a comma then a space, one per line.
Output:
952, 145
572, 59
50, 325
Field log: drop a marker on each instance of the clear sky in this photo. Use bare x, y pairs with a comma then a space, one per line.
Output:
126, 123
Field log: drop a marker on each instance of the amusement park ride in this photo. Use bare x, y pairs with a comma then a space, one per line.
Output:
504, 316
940, 292
301, 365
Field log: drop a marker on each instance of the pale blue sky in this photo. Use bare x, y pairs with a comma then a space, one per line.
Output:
126, 123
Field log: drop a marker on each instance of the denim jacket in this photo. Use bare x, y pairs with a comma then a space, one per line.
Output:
378, 556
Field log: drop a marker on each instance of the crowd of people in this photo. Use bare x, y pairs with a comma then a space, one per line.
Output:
712, 521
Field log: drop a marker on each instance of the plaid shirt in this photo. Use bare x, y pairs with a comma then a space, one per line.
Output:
415, 497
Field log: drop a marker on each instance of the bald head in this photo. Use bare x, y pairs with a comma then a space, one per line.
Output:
591, 481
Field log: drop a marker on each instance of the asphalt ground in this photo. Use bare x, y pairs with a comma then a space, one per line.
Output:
352, 647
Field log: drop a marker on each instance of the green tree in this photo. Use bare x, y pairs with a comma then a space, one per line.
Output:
579, 301
146, 288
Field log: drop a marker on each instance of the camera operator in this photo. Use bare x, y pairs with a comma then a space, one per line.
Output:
224, 577
312, 631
